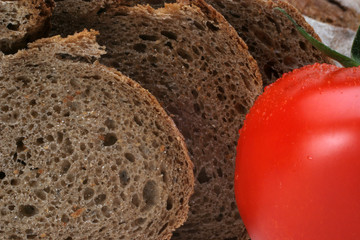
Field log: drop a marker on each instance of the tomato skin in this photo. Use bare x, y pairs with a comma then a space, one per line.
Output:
297, 173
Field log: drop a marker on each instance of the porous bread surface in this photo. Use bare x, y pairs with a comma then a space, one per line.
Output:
272, 39
85, 152
190, 58
23, 21
329, 11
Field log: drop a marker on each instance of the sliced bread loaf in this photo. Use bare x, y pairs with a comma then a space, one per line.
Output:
194, 62
85, 152
329, 11
272, 39
23, 21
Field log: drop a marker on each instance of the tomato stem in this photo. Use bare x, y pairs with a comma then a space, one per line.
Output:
342, 59
355, 49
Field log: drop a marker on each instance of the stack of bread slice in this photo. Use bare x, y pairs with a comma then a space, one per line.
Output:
89, 154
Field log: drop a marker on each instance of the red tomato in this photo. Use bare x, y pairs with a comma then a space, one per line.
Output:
298, 158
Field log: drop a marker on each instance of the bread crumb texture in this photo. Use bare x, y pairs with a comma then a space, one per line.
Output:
272, 39
23, 21
85, 152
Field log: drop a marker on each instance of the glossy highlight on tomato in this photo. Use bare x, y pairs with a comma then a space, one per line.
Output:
297, 171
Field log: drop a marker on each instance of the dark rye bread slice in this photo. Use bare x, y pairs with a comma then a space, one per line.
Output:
271, 37
329, 11
85, 152
194, 62
23, 21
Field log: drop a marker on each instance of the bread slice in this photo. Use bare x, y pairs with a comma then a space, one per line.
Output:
271, 37
193, 61
86, 153
23, 21
329, 11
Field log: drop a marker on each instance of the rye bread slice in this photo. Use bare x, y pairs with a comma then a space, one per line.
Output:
85, 152
194, 62
329, 11
23, 21
272, 39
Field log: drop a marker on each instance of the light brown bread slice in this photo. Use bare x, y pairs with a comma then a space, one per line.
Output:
194, 62
23, 21
271, 37
85, 152
329, 11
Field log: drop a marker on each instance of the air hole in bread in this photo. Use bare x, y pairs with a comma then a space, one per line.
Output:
148, 37
40, 141
169, 203
14, 182
5, 108
269, 70
212, 26
67, 147
302, 45
150, 193
246, 81
2, 175
60, 137
65, 166
110, 139
101, 11
28, 210
64, 218
170, 35
139, 221
137, 120
195, 50
202, 176
88, 193
82, 146
106, 212
240, 108
32, 102
13, 27
20, 145
100, 199
135, 200
34, 114
110, 124
130, 157
124, 178
199, 26
163, 228
139, 47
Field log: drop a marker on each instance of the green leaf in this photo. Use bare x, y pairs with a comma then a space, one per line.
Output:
355, 49
343, 60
